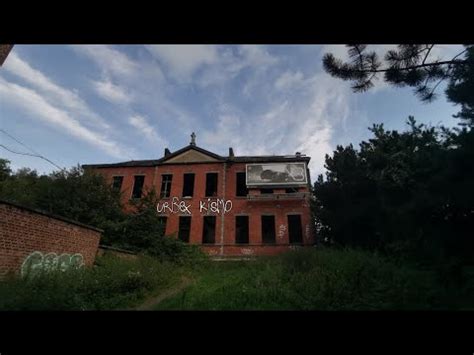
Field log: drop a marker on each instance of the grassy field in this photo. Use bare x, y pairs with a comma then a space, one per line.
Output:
315, 280
310, 279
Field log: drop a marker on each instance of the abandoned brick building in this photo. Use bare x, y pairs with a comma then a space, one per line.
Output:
230, 205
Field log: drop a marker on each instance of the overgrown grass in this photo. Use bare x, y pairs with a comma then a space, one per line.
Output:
326, 279
308, 279
113, 283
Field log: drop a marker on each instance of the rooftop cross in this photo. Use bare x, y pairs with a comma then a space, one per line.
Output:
193, 139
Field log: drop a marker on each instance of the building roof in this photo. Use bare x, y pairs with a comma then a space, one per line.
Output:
216, 158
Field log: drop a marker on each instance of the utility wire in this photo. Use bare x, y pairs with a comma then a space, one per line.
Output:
16, 140
36, 154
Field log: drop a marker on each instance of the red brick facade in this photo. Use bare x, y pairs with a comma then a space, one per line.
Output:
279, 204
24, 231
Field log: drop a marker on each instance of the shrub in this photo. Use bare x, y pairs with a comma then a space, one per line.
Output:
111, 284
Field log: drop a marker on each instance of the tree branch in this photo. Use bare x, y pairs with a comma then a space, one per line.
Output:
449, 62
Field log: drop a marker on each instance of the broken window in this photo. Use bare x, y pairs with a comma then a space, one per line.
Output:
184, 228
211, 184
242, 229
117, 183
295, 230
291, 190
209, 230
241, 188
166, 185
138, 186
266, 191
268, 229
188, 185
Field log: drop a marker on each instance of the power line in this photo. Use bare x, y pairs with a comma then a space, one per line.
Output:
36, 154
16, 140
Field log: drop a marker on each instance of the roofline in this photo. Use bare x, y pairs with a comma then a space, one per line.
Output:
234, 160
219, 158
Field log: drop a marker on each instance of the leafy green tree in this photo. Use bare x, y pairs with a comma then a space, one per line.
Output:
408, 193
5, 170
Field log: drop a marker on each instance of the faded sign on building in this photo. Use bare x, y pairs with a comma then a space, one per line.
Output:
276, 174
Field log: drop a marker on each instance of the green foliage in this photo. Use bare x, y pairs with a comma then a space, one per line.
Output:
113, 283
74, 193
409, 194
5, 170
314, 279
143, 231
460, 89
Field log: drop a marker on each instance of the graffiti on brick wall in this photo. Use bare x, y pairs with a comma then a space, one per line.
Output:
173, 206
281, 231
218, 206
246, 251
205, 206
38, 262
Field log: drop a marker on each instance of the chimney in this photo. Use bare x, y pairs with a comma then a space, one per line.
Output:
298, 154
231, 152
167, 152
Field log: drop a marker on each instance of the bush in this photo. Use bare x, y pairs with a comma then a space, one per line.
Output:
112, 283
170, 248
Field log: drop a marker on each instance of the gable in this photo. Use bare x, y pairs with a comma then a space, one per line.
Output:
191, 156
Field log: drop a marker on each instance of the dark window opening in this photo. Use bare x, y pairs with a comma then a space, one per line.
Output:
266, 191
117, 183
241, 188
211, 184
295, 230
138, 186
268, 229
188, 185
291, 190
162, 222
209, 230
242, 229
166, 185
184, 228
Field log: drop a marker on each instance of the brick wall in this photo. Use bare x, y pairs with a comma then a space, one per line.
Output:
24, 231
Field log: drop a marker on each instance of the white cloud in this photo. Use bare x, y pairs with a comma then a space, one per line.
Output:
109, 59
255, 56
141, 123
184, 60
61, 96
303, 122
288, 80
111, 92
207, 65
37, 106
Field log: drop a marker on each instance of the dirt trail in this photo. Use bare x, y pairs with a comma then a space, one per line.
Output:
150, 303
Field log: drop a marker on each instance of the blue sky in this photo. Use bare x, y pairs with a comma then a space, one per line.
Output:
103, 104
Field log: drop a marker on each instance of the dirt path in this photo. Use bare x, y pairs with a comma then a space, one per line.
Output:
150, 303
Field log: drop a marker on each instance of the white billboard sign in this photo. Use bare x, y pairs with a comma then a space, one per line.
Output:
277, 174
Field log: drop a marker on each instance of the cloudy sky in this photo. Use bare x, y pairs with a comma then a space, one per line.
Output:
105, 104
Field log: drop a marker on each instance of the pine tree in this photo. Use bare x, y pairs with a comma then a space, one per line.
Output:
411, 66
